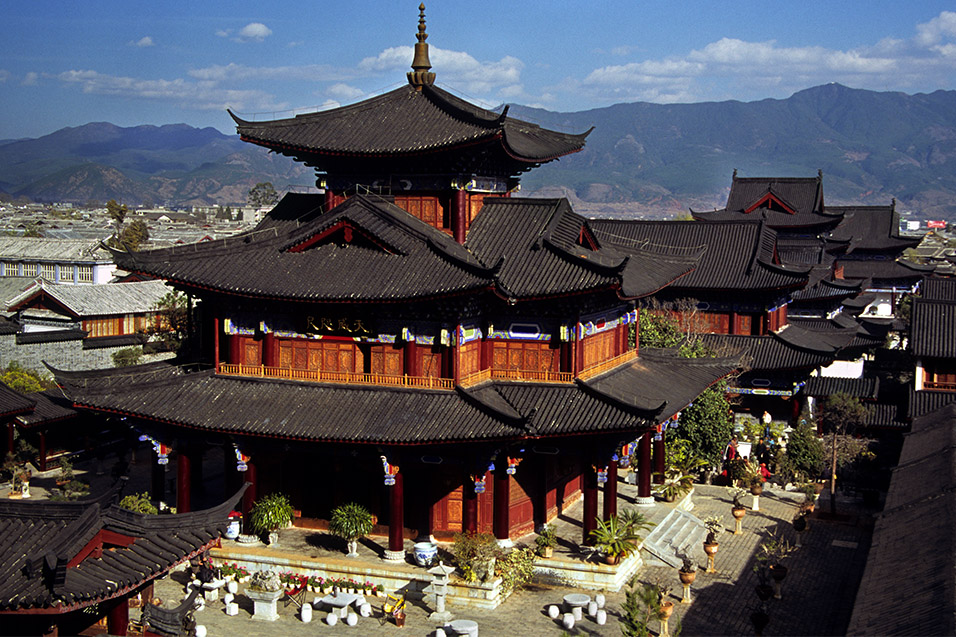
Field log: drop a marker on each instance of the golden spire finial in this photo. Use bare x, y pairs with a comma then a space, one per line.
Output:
421, 75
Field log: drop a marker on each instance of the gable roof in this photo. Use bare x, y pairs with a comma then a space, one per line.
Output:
801, 199
52, 250
80, 301
397, 257
408, 121
933, 328
735, 256
938, 289
13, 402
49, 560
542, 248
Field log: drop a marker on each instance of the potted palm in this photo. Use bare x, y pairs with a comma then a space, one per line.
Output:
546, 541
269, 514
619, 536
714, 526
678, 480
351, 522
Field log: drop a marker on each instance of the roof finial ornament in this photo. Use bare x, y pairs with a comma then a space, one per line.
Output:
421, 75
735, 173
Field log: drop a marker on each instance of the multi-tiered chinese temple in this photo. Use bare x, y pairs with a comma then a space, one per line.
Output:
451, 359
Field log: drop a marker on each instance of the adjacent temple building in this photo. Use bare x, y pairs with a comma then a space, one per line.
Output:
413, 339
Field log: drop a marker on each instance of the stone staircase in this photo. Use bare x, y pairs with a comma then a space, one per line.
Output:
680, 533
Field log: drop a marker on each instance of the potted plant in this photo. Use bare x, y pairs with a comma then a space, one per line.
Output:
687, 573
351, 522
65, 475
617, 538
269, 514
546, 541
770, 555
714, 525
810, 493
475, 554
737, 509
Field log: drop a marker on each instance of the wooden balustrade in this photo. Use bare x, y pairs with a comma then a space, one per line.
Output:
349, 378
939, 385
607, 365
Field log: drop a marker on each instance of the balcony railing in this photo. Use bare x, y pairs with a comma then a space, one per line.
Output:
350, 378
938, 385
600, 368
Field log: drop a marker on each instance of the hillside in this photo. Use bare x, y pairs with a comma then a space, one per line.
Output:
641, 158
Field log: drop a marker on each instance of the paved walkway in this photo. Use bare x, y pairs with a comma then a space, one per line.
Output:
818, 592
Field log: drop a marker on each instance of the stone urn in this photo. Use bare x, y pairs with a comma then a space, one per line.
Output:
264, 590
425, 553
738, 513
710, 548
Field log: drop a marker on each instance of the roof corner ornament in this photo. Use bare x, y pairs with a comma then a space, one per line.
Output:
421, 75
735, 174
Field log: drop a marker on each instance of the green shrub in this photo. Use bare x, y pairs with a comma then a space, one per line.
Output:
138, 502
350, 522
270, 513
515, 569
127, 357
474, 554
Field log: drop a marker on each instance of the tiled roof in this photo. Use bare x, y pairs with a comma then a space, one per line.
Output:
736, 256
871, 228
804, 195
625, 399
535, 244
51, 406
938, 289
11, 287
39, 539
866, 388
933, 329
99, 300
392, 255
295, 208
899, 269
406, 121
50, 336
52, 250
928, 400
790, 348
13, 402
908, 586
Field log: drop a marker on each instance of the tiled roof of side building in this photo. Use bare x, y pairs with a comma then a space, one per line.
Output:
867, 388
363, 250
872, 228
801, 195
406, 121
81, 301
767, 352
13, 402
52, 250
736, 256
939, 289
39, 539
51, 406
537, 248
926, 401
885, 269
933, 329
913, 547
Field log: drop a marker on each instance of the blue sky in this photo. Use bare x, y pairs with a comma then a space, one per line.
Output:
66, 63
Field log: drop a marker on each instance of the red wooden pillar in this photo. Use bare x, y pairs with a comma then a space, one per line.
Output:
42, 451
396, 522
502, 503
10, 437
215, 343
183, 482
412, 360
459, 215
610, 491
329, 198
235, 352
117, 621
250, 495
589, 487
270, 357
469, 509
659, 465
644, 470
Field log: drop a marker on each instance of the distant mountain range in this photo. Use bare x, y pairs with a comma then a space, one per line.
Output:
641, 158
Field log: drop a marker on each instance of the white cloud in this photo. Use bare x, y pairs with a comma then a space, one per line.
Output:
233, 72
224, 33
182, 92
30, 79
4, 75
143, 42
731, 68
941, 27
345, 92
254, 32
295, 43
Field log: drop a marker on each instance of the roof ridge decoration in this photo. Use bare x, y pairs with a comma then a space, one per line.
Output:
421, 74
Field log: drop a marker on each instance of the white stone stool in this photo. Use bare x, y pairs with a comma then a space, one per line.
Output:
553, 611
592, 609
601, 617
232, 586
599, 598
578, 613
305, 613
232, 608
365, 610
439, 632
568, 621
331, 619
227, 598
352, 619
200, 631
